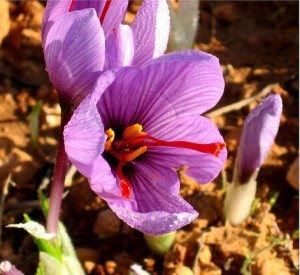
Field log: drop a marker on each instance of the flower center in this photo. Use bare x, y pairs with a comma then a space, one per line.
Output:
135, 142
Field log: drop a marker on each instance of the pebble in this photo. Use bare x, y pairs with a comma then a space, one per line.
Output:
107, 223
5, 23
110, 267
225, 13
205, 255
293, 174
87, 254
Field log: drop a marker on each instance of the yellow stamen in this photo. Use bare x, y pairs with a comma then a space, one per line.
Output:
110, 138
133, 131
129, 156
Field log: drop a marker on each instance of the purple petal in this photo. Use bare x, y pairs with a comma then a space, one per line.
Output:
54, 10
151, 30
84, 134
85, 4
161, 92
203, 167
74, 54
260, 129
115, 16
119, 48
188, 56
110, 12
163, 176
102, 180
153, 210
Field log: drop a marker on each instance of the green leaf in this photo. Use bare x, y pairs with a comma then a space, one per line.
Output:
34, 122
69, 255
254, 206
44, 202
40, 269
35, 229
52, 266
273, 199
73, 266
65, 241
295, 234
43, 240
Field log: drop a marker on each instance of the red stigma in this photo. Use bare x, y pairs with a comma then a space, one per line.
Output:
125, 185
125, 189
72, 5
104, 11
210, 148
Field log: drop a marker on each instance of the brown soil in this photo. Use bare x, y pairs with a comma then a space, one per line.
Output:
257, 43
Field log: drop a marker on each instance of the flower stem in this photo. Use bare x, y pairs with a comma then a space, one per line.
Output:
57, 188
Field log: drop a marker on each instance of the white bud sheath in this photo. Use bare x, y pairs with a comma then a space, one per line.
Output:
184, 24
238, 200
160, 244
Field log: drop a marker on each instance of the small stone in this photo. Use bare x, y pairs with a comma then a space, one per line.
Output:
88, 266
34, 11
183, 270
225, 13
202, 223
149, 264
87, 254
295, 256
210, 269
98, 270
293, 174
205, 255
6, 250
107, 223
260, 71
274, 267
110, 267
5, 23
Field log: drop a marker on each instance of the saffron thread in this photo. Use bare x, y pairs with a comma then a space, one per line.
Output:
72, 5
104, 11
211, 148
125, 185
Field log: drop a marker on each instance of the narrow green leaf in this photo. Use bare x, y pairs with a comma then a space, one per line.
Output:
43, 240
40, 269
44, 202
34, 122
295, 234
254, 206
273, 199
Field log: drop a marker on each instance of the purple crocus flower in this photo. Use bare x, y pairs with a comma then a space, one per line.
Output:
81, 38
260, 129
128, 136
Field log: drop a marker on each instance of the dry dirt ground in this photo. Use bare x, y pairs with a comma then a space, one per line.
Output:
257, 43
